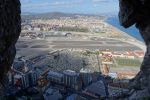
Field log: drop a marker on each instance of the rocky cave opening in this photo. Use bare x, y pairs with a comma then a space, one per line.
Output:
131, 12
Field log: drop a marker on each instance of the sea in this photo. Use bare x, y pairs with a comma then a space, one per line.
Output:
132, 31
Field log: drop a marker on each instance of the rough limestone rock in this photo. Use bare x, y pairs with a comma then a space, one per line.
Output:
138, 12
10, 27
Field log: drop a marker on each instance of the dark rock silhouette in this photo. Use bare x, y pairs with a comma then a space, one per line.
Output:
10, 27
131, 12
138, 12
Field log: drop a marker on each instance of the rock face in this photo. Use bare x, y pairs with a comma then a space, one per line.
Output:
138, 12
10, 27
131, 12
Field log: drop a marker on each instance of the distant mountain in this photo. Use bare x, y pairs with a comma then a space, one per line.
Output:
27, 13
51, 15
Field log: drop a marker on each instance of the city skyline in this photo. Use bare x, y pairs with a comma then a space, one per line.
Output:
108, 7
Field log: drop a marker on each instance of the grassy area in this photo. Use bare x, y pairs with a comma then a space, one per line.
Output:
127, 62
88, 53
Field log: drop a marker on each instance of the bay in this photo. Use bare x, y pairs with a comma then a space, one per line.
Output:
132, 31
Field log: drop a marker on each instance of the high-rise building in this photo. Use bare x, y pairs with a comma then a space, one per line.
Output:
16, 79
86, 77
55, 77
25, 80
21, 80
70, 78
21, 66
25, 83
33, 77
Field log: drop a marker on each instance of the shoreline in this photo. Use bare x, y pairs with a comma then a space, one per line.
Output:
130, 39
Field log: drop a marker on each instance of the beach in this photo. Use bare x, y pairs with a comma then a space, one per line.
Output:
125, 37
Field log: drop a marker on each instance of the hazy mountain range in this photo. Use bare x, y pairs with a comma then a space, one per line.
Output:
51, 15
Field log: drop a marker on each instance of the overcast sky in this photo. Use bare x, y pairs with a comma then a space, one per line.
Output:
71, 6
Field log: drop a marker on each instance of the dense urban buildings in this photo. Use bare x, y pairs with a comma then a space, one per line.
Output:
73, 58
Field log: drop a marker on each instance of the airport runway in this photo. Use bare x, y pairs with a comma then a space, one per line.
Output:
34, 47
114, 48
114, 45
102, 45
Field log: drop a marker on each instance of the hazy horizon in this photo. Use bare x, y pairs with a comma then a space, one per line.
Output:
109, 7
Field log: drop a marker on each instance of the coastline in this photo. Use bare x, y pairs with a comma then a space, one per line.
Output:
128, 38
132, 31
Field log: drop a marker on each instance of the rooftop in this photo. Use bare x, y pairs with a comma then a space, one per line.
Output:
55, 74
85, 70
97, 88
70, 72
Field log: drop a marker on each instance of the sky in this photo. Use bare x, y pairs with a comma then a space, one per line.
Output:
71, 6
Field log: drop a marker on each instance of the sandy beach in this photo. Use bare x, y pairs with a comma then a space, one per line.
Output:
128, 38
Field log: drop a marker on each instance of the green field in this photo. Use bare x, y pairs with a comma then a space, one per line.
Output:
127, 62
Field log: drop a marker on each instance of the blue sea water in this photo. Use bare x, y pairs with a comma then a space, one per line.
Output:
132, 31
